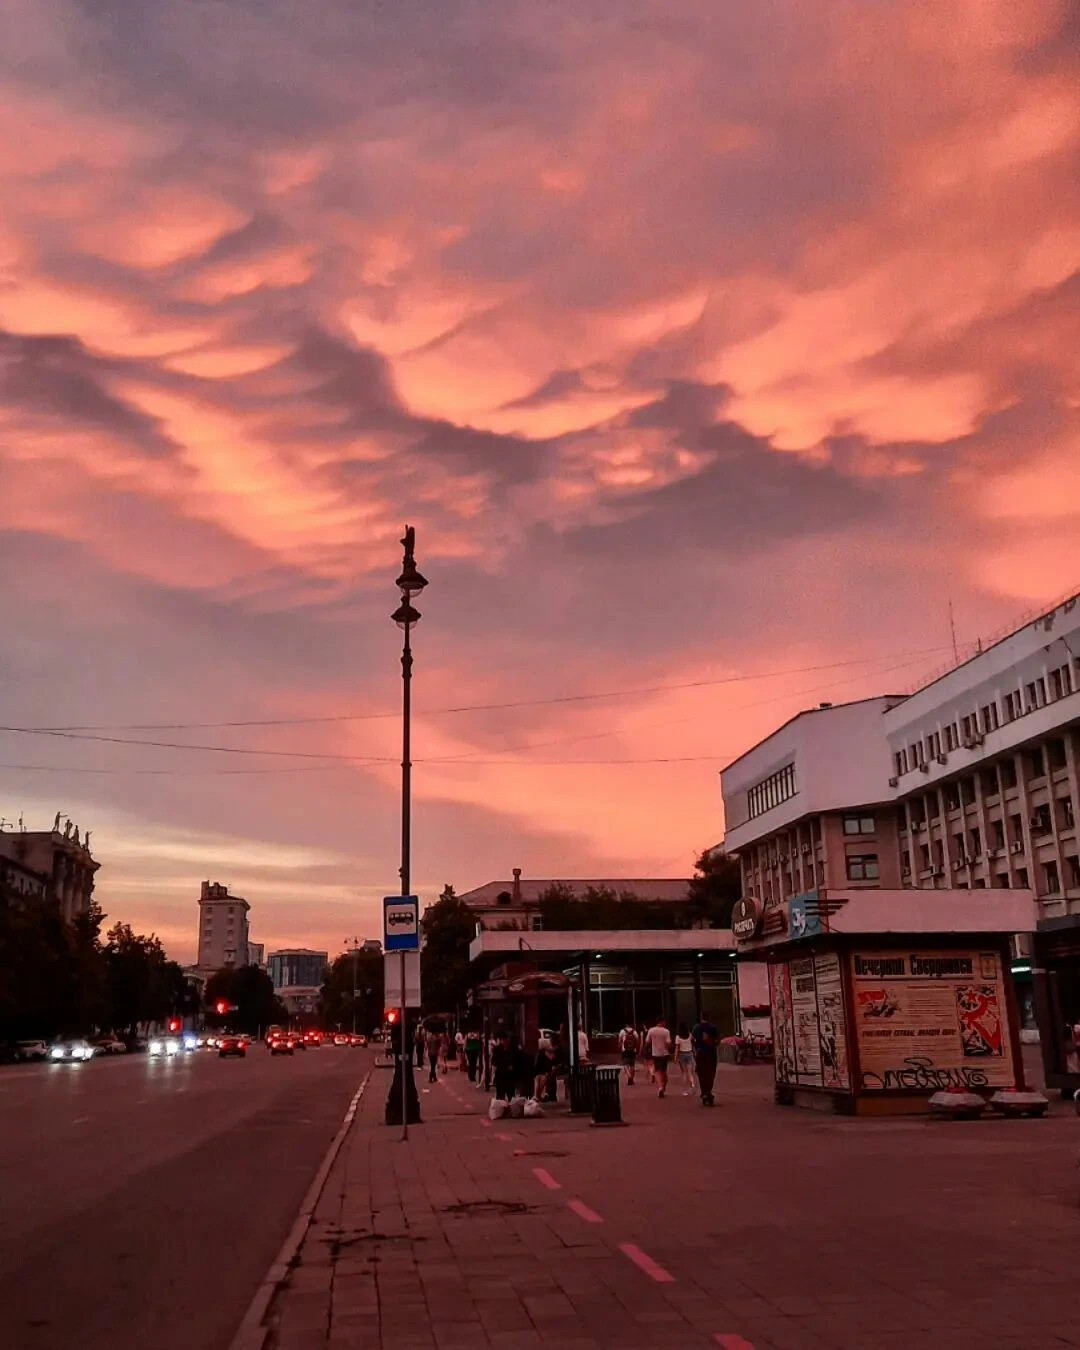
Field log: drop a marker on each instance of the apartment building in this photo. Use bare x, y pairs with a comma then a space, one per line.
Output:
223, 928
60, 860
969, 783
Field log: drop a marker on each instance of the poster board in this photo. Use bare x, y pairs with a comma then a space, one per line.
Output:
832, 1022
809, 1022
930, 1020
782, 1026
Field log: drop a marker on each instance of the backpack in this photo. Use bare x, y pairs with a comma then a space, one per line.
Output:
630, 1042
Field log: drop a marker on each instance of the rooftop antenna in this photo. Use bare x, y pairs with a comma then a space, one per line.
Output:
952, 633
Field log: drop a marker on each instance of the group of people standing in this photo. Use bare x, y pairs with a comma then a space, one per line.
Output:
692, 1049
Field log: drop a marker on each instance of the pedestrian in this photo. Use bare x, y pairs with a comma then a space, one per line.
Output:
646, 1053
444, 1051
433, 1041
582, 1045
684, 1057
419, 1045
459, 1048
543, 1071
503, 1065
629, 1044
658, 1039
473, 1046
703, 1038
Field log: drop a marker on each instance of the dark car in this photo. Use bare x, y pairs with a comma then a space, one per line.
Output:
281, 1045
232, 1045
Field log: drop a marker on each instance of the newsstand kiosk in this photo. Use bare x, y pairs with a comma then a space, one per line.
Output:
881, 998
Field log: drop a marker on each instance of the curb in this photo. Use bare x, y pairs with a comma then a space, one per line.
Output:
252, 1333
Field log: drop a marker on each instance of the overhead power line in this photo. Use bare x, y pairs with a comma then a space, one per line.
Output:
629, 692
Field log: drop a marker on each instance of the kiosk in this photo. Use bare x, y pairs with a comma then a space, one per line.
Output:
880, 998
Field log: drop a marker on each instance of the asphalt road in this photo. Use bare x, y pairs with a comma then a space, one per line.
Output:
142, 1201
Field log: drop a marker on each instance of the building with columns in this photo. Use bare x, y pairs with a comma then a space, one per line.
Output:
59, 858
971, 782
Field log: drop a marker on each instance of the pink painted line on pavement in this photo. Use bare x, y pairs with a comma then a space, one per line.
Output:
545, 1178
486, 1124
732, 1342
504, 1138
582, 1210
645, 1262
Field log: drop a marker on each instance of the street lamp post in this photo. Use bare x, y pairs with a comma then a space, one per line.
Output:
409, 583
355, 964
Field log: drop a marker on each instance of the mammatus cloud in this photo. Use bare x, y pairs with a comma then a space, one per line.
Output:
691, 339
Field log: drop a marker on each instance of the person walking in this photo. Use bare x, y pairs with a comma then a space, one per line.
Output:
459, 1049
418, 1045
433, 1041
703, 1037
473, 1046
684, 1057
503, 1066
543, 1071
582, 1046
629, 1045
646, 1053
444, 1051
658, 1039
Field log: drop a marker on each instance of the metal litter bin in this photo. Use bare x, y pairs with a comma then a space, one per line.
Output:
607, 1104
582, 1082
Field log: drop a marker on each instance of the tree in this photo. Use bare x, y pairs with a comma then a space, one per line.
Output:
141, 981
336, 1005
252, 991
448, 925
600, 907
715, 888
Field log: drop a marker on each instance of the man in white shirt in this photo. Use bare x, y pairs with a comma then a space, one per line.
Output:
582, 1046
658, 1044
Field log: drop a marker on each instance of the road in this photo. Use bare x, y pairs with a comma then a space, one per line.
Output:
142, 1201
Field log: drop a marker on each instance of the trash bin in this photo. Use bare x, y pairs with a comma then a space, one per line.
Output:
607, 1105
582, 1087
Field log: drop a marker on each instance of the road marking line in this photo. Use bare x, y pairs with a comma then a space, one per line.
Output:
486, 1124
505, 1139
732, 1342
645, 1262
582, 1210
545, 1178
80, 1120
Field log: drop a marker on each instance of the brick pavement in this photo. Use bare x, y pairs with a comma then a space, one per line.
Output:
747, 1226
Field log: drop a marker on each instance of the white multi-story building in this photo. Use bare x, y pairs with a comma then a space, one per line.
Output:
223, 928
971, 782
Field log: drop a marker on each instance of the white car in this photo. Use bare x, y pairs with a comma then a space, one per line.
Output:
111, 1045
71, 1052
165, 1046
26, 1050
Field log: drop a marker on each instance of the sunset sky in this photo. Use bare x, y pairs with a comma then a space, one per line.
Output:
712, 348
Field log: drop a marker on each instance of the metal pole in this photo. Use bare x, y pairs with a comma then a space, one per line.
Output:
355, 963
406, 808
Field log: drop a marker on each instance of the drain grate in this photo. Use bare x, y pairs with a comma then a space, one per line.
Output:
468, 1207
541, 1153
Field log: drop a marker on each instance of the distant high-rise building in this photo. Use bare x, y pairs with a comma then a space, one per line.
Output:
297, 975
256, 953
59, 858
223, 928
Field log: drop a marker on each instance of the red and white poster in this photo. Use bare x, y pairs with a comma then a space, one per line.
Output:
782, 1025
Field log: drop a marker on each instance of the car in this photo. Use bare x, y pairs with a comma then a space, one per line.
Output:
357, 1039
75, 1051
341, 1039
281, 1045
31, 1050
232, 1045
111, 1045
313, 1038
164, 1047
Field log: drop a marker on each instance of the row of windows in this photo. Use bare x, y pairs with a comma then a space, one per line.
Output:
1018, 703
771, 791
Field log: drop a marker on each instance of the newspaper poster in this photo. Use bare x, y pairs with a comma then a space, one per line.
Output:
832, 1024
804, 1017
931, 1020
782, 1027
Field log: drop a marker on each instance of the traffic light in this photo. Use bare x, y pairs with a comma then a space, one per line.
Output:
174, 1024
221, 1007
392, 1016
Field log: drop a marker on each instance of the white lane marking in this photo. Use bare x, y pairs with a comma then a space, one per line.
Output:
80, 1120
582, 1210
645, 1262
545, 1178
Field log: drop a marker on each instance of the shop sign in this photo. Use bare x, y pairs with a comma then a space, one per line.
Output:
745, 919
931, 1020
804, 915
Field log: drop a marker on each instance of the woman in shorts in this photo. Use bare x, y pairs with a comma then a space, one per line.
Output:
684, 1058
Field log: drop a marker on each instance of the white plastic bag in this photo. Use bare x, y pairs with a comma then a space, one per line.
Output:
498, 1108
517, 1107
533, 1108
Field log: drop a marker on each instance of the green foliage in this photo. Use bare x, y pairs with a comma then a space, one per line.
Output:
600, 907
337, 1005
714, 888
143, 985
252, 990
448, 926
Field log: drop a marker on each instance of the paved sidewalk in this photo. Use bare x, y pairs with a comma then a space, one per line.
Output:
748, 1226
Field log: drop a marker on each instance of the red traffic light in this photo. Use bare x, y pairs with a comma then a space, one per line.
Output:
221, 1007
392, 1016
174, 1024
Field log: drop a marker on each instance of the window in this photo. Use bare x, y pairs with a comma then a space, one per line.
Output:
771, 791
1033, 763
900, 763
1022, 877
862, 867
966, 787
1072, 864
924, 856
905, 862
858, 824
1051, 878
988, 781
976, 844
935, 807
952, 797
933, 744
997, 834
1055, 753
1040, 820
951, 738
1001, 880
915, 754
1061, 682
1066, 813
939, 854
1008, 773
1016, 830
820, 868
1014, 706
1036, 694
959, 851
989, 716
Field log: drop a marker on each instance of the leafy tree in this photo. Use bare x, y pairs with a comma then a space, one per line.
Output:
715, 887
252, 991
600, 907
142, 984
448, 925
336, 1005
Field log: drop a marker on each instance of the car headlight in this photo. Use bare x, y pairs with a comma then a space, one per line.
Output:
190, 1042
172, 1047
155, 1047
57, 1052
